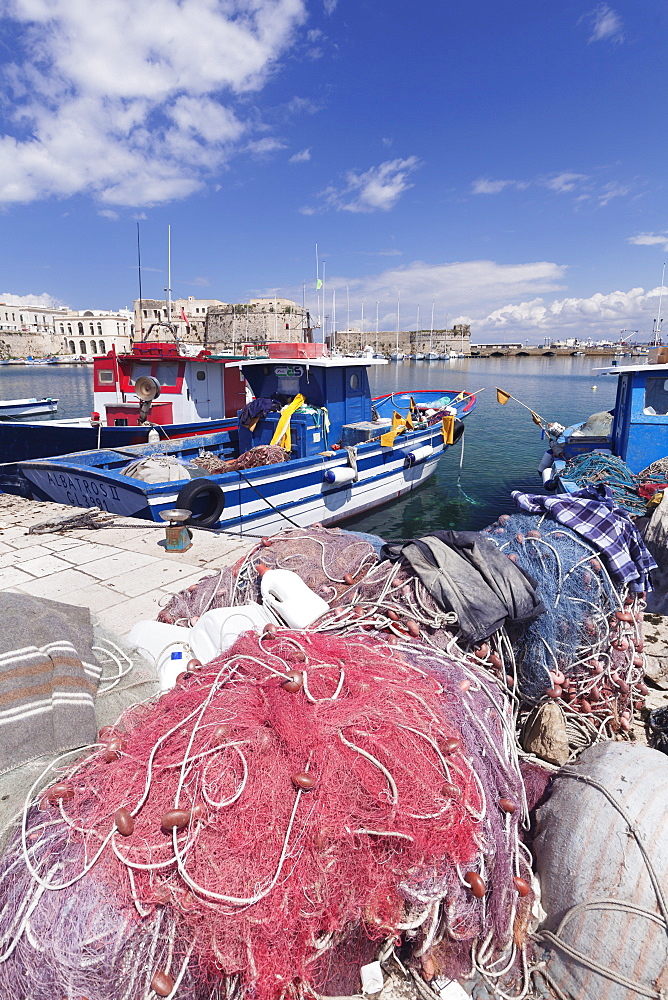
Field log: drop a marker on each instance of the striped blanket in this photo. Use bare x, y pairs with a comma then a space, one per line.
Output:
48, 679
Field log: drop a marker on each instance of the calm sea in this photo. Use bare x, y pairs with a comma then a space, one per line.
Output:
502, 446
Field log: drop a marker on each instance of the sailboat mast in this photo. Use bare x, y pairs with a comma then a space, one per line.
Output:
169, 274
657, 326
376, 327
431, 331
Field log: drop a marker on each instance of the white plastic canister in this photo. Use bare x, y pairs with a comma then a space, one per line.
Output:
287, 595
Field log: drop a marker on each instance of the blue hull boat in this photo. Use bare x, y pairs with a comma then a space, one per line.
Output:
636, 430
343, 456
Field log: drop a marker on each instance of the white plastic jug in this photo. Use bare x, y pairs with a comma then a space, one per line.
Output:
286, 594
168, 646
218, 629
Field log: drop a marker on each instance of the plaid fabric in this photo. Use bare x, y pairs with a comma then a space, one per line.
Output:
592, 513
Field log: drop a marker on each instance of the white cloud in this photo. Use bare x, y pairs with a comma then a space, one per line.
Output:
330, 6
582, 186
502, 302
264, 147
376, 189
606, 25
136, 104
42, 299
301, 157
109, 213
486, 186
564, 182
650, 240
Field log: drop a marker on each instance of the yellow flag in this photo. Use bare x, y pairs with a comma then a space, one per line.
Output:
502, 397
448, 425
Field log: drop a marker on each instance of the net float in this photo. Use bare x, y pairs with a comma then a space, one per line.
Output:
193, 665
124, 821
522, 886
106, 733
510, 680
586, 578
499, 531
585, 706
595, 692
428, 967
520, 537
114, 750
265, 542
598, 667
359, 611
220, 735
452, 745
62, 792
175, 819
476, 884
557, 677
450, 790
620, 644
304, 781
496, 660
392, 640
413, 628
162, 984
507, 806
464, 685
637, 661
638, 704
625, 724
197, 812
623, 616
513, 557
533, 534
628, 600
504, 519
294, 682
555, 691
595, 565
180, 678
348, 580
393, 616
623, 686
642, 687
270, 629
640, 646
482, 652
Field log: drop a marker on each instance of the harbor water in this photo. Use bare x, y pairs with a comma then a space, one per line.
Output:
502, 446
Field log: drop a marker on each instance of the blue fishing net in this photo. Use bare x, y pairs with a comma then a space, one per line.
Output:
576, 590
598, 467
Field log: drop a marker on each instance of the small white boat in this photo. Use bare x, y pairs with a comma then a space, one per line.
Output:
27, 407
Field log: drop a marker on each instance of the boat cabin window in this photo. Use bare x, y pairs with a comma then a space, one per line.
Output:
288, 385
137, 370
167, 374
105, 376
201, 375
656, 396
354, 381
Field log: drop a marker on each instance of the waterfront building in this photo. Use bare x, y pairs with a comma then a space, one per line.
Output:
222, 327
94, 331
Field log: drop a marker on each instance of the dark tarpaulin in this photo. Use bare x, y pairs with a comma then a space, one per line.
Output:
467, 574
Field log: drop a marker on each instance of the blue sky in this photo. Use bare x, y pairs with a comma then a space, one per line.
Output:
505, 161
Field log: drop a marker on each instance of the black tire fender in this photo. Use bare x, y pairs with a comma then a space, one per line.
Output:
201, 488
458, 431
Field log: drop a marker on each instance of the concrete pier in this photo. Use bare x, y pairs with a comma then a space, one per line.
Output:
122, 574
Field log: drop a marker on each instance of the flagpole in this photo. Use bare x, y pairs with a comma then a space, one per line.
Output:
510, 396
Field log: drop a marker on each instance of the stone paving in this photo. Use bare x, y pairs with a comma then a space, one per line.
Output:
122, 574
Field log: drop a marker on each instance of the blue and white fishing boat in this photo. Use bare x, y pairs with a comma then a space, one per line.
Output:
636, 430
346, 453
27, 407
